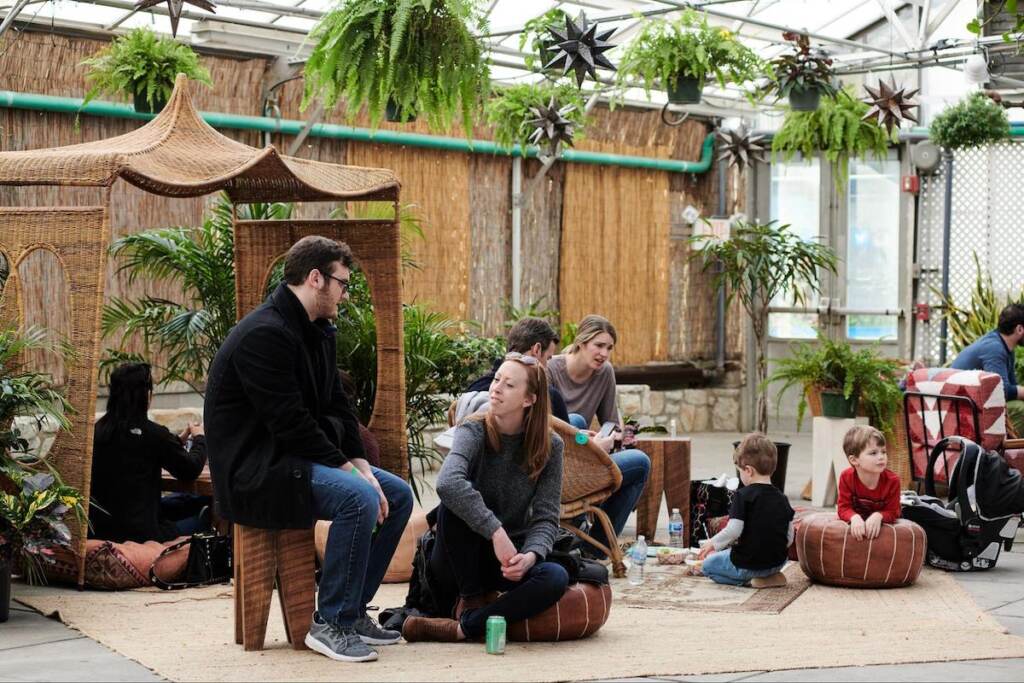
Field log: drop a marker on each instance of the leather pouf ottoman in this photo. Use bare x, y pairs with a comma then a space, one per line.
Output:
582, 611
400, 567
830, 554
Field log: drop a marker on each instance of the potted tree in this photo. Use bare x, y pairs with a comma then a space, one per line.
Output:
509, 110
972, 122
142, 66
758, 262
682, 54
407, 56
803, 75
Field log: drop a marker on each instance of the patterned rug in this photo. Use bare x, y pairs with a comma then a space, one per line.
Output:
670, 587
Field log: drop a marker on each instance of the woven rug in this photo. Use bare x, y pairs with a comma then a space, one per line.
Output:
189, 636
670, 587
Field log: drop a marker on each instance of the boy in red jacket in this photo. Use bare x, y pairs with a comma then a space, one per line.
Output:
869, 494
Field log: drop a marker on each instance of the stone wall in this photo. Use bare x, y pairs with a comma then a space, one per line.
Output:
694, 410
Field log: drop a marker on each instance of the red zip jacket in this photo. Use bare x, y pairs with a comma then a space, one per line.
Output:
857, 499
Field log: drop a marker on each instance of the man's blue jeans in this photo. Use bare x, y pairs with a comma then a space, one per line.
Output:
719, 568
635, 466
356, 558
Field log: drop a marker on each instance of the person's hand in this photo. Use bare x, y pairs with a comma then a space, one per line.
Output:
705, 551
518, 566
504, 549
184, 434
197, 429
606, 443
857, 527
873, 526
382, 514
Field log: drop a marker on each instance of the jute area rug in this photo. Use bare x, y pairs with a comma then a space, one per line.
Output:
188, 636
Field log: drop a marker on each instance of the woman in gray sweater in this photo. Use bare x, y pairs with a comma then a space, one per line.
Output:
500, 490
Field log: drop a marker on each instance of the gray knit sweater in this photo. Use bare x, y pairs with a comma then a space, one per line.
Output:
502, 494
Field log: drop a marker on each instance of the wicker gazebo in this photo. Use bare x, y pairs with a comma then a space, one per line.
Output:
177, 154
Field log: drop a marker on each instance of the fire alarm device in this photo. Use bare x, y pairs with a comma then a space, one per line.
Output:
922, 312
911, 184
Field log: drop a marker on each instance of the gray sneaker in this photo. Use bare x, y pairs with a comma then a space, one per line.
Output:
341, 644
372, 634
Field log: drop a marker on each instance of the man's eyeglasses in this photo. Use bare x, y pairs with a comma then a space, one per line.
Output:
344, 283
522, 358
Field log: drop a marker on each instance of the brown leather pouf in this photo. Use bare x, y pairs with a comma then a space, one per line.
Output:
830, 554
582, 611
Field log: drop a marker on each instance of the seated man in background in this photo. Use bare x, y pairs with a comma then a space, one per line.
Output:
994, 352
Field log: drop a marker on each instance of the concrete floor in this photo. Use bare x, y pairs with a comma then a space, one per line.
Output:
33, 648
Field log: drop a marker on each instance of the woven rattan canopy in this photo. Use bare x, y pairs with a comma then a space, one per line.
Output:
178, 154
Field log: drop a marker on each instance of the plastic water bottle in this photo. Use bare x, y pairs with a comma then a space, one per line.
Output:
637, 560
675, 529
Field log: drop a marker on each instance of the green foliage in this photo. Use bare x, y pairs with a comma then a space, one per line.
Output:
980, 316
837, 128
201, 261
759, 262
1015, 33
423, 55
537, 309
142, 62
25, 392
535, 32
32, 518
508, 111
687, 46
973, 122
836, 366
802, 69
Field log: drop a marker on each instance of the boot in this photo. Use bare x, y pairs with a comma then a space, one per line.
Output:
419, 629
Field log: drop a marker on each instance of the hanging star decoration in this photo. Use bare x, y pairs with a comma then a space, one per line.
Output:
580, 48
890, 105
551, 128
174, 8
739, 147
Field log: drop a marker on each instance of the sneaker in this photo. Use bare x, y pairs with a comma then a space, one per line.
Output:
372, 634
341, 644
776, 580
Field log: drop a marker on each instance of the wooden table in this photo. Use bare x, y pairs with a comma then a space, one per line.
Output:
202, 485
670, 476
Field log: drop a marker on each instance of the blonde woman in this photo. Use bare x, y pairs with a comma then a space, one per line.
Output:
586, 379
500, 489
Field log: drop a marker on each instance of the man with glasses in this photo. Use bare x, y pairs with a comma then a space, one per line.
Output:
285, 445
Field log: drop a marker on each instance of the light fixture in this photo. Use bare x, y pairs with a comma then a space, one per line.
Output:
976, 69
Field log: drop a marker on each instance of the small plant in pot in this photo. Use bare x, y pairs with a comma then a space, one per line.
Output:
680, 55
803, 75
509, 110
535, 40
142, 66
972, 122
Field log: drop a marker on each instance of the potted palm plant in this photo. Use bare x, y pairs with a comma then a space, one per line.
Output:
803, 74
407, 56
755, 264
142, 66
682, 54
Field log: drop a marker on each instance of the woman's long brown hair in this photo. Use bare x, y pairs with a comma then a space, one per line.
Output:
536, 423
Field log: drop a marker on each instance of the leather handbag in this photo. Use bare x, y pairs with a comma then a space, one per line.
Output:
209, 562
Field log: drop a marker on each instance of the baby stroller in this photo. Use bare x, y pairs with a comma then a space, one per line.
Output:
986, 499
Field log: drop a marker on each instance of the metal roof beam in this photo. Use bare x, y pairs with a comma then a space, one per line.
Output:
195, 16
895, 22
12, 15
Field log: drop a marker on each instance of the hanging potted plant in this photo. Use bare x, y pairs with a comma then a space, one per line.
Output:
404, 57
535, 41
973, 122
759, 262
803, 74
142, 66
838, 129
680, 55
510, 111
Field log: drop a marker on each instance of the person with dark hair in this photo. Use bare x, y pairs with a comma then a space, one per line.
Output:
994, 352
129, 452
286, 447
500, 490
532, 337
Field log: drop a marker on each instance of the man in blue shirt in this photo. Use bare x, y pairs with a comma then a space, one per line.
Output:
994, 352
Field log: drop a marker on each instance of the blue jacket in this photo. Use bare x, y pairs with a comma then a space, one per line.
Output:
991, 354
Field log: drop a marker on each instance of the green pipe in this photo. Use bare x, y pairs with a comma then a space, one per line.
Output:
69, 105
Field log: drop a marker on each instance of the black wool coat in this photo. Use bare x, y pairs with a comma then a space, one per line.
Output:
274, 406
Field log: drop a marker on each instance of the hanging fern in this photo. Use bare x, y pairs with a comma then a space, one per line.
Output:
508, 111
421, 55
837, 128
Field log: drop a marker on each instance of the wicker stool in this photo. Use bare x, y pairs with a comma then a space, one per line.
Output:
261, 558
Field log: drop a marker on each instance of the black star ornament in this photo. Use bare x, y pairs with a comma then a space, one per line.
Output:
740, 148
581, 49
552, 128
890, 105
174, 8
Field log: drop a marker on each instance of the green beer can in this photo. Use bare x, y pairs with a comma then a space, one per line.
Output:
495, 635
